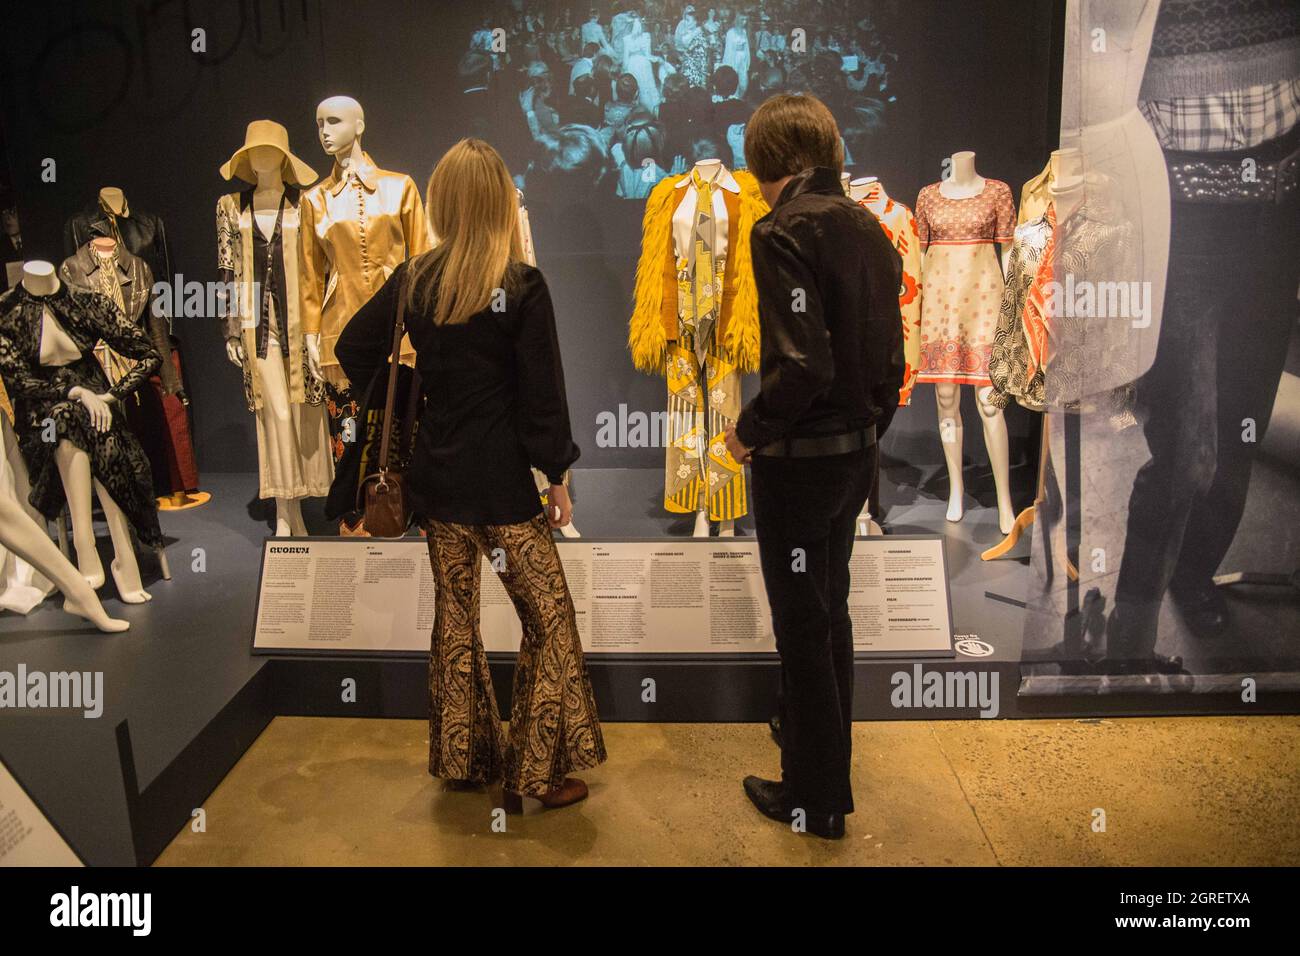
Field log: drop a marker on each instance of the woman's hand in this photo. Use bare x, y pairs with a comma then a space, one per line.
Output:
96, 406
559, 509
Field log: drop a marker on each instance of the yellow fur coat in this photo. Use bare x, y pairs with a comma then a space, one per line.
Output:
654, 318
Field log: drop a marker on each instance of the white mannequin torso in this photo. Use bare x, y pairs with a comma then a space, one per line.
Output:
964, 183
859, 188
57, 347
710, 171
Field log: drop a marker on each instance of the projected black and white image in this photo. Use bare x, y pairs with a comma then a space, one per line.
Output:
613, 97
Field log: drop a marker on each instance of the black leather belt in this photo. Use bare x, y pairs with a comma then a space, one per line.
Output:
819, 446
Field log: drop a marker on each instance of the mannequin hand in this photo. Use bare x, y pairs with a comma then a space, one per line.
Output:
312, 342
101, 416
738, 450
557, 497
235, 351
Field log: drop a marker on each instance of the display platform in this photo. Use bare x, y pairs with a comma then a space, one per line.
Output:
184, 697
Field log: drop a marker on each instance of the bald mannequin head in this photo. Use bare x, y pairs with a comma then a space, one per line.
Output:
340, 122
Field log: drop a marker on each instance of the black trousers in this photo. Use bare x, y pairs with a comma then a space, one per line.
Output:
1229, 309
805, 513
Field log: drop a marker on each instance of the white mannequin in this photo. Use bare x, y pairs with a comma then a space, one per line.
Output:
57, 348
267, 195
25, 538
709, 170
340, 121
964, 183
858, 188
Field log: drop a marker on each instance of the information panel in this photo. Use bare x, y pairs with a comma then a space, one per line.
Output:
27, 838
660, 596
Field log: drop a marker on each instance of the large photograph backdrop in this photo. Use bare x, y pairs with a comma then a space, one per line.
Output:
115, 94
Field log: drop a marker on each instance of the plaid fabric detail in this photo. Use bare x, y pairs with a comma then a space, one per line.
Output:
1223, 122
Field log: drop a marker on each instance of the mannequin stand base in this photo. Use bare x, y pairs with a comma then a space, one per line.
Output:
1024, 520
183, 500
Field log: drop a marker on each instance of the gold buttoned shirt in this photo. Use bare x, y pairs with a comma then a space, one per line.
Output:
355, 229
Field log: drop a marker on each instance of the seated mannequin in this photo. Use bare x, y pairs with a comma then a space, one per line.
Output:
68, 388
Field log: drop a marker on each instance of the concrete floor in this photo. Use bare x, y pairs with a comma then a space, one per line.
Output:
1175, 791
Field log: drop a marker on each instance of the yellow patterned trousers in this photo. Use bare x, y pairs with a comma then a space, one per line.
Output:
699, 473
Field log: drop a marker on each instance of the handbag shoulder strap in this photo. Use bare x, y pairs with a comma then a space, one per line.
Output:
391, 393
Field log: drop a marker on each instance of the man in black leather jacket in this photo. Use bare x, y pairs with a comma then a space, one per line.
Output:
831, 368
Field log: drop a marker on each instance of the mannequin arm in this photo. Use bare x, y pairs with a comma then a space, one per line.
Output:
312, 341
97, 407
235, 351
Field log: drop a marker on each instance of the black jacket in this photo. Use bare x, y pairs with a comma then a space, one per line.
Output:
494, 399
832, 352
142, 234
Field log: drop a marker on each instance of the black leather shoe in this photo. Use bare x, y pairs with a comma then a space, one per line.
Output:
774, 725
1204, 610
769, 796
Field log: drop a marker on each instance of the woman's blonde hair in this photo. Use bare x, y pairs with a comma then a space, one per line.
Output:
473, 208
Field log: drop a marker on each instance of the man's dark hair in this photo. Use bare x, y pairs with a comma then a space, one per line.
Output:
788, 134
725, 82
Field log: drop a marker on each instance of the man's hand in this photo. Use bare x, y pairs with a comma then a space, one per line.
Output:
557, 499
737, 450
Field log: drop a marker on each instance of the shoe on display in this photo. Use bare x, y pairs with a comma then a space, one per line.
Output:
770, 799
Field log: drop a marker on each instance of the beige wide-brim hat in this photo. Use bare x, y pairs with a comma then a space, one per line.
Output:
268, 133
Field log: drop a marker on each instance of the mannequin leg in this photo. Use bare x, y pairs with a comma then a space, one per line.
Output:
947, 399
727, 528
25, 538
701, 524
996, 443
297, 526
74, 470
570, 530
284, 517
126, 572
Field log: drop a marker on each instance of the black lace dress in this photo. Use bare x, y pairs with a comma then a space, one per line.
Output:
44, 415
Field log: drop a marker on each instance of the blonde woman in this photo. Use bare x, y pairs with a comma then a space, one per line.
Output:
482, 325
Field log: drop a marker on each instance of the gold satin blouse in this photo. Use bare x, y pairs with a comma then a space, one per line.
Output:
355, 229
1036, 196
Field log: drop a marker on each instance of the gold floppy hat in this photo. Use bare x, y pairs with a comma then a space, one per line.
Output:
268, 133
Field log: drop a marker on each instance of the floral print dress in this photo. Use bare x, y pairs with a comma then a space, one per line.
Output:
963, 281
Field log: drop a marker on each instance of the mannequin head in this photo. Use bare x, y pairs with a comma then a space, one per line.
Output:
339, 123
267, 162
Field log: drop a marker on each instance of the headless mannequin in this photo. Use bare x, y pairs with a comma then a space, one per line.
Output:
267, 195
965, 183
709, 170
114, 199
57, 348
857, 190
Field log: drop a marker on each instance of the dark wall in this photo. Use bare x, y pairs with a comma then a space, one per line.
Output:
114, 95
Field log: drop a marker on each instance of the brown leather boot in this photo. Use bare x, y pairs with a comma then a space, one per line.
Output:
571, 791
